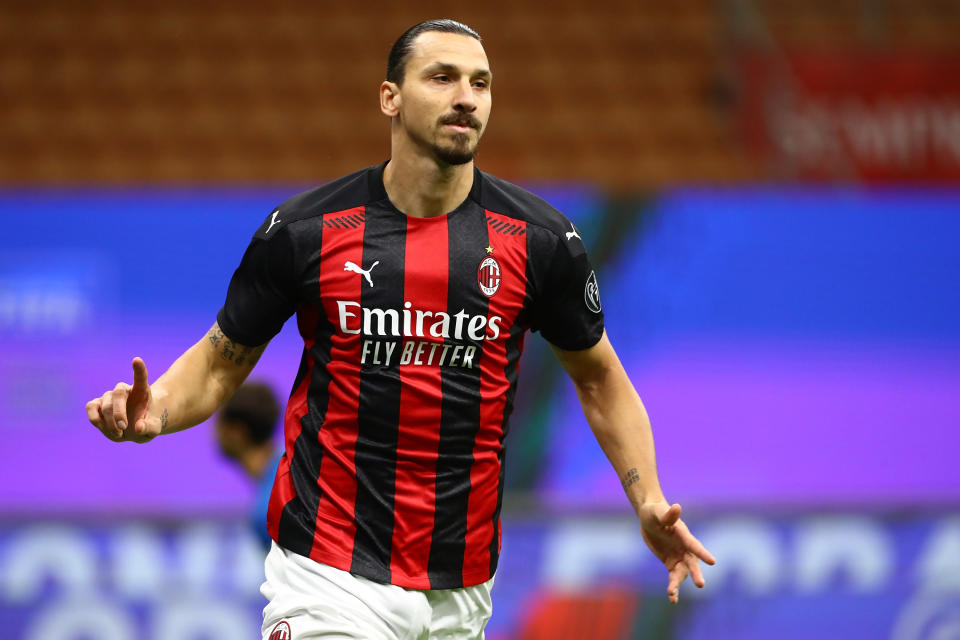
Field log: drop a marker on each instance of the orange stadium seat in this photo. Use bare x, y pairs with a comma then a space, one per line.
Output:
617, 91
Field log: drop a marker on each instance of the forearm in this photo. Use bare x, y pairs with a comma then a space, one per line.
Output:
201, 380
620, 423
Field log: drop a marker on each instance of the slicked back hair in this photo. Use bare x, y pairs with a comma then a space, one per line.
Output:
403, 47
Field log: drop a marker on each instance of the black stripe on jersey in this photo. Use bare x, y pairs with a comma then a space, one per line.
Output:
296, 527
378, 415
460, 412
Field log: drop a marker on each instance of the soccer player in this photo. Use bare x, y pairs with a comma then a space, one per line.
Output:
414, 283
244, 432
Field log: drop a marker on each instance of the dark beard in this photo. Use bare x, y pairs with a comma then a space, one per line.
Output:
458, 153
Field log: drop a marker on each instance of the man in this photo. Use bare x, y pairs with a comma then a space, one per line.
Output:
414, 283
244, 432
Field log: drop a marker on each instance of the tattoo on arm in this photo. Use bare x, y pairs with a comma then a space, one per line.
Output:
230, 350
631, 477
164, 419
215, 335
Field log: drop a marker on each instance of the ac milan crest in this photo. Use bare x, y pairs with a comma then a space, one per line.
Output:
281, 631
488, 276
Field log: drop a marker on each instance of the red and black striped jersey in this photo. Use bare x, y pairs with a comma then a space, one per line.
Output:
412, 330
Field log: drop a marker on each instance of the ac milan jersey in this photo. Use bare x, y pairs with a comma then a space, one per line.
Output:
412, 329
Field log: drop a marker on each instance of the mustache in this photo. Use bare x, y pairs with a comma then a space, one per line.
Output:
462, 119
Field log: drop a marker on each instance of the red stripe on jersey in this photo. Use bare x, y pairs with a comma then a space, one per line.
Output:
510, 252
337, 481
426, 271
283, 490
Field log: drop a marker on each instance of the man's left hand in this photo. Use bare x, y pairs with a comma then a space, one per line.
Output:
671, 541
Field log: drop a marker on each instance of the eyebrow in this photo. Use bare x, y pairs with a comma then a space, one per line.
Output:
448, 67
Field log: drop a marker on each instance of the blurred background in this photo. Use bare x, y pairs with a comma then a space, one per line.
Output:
770, 192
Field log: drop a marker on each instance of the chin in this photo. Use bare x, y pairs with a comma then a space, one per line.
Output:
456, 155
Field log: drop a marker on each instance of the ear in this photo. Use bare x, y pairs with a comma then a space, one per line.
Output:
389, 98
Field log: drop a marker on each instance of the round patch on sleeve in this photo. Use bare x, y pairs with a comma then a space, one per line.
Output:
591, 293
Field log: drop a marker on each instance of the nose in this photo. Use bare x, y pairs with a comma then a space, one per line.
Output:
465, 101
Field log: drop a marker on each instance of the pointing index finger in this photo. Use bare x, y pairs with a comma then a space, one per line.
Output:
139, 373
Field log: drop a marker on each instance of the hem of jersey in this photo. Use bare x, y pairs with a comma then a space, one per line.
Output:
231, 334
576, 345
397, 579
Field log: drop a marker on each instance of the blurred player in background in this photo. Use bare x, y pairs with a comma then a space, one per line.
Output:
414, 283
244, 432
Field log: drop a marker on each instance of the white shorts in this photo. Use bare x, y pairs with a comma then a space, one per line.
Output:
313, 600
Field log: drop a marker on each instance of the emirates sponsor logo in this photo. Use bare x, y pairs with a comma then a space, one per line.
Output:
488, 276
416, 323
377, 326
281, 631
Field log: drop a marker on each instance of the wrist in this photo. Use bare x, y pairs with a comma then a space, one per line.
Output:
159, 406
641, 490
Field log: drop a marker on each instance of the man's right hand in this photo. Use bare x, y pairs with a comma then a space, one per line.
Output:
124, 413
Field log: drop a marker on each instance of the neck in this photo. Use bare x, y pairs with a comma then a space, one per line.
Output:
420, 187
255, 460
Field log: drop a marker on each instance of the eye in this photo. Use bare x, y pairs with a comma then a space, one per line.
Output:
480, 84
442, 78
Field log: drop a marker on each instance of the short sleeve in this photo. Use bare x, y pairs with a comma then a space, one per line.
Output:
262, 292
568, 311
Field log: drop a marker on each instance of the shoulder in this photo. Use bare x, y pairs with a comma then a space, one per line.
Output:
507, 199
342, 194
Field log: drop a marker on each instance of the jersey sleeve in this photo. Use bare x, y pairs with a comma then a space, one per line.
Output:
263, 289
568, 313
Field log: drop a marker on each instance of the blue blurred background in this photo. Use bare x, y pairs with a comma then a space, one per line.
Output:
771, 195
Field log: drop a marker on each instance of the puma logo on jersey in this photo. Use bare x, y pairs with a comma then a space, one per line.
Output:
350, 266
273, 221
573, 233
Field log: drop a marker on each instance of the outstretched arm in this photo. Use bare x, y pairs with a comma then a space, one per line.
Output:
194, 386
620, 423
